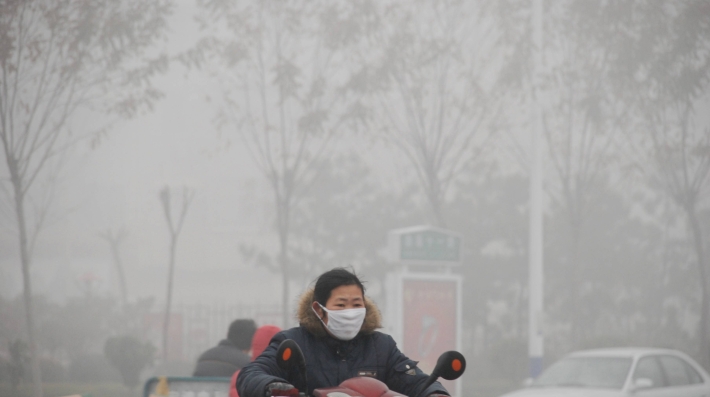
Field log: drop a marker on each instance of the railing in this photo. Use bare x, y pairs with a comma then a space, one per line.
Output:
195, 328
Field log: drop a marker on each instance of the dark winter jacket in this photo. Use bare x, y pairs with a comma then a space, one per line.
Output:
330, 361
221, 360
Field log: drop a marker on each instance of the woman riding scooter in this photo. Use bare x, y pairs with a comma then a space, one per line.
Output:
338, 337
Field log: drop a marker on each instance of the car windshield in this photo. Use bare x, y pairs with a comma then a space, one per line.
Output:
593, 372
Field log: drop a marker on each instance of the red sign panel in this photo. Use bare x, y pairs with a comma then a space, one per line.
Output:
430, 322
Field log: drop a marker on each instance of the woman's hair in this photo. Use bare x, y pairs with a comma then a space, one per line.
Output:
332, 279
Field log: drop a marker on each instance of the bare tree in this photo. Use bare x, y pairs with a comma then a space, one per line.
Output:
282, 67
675, 136
582, 115
174, 228
663, 60
587, 110
431, 89
679, 148
57, 58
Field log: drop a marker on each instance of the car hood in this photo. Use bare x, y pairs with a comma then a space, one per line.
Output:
564, 392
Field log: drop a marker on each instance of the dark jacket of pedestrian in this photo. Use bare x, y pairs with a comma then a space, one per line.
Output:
230, 354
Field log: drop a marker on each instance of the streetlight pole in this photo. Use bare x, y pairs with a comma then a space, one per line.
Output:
535, 318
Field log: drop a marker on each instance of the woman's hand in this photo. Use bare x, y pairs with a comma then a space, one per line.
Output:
281, 389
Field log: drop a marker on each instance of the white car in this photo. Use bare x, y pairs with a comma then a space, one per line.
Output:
621, 372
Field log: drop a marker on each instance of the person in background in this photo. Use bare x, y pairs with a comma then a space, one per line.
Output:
261, 339
230, 354
338, 337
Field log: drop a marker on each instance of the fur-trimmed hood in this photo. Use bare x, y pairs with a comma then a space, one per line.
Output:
309, 320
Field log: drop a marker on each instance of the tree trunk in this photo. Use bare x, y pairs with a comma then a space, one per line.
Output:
114, 241
284, 262
704, 339
436, 206
26, 282
168, 301
575, 281
121, 273
174, 229
286, 292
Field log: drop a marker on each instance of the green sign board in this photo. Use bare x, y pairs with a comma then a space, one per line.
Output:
427, 244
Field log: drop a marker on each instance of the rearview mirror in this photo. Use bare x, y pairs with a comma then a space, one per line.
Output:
449, 366
289, 356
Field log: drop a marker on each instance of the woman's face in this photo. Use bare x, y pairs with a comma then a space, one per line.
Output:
343, 297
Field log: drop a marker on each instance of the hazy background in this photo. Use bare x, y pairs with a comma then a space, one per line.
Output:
116, 184
385, 88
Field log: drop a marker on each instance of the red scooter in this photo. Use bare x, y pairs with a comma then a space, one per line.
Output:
450, 366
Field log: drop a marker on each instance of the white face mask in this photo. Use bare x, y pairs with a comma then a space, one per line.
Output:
343, 324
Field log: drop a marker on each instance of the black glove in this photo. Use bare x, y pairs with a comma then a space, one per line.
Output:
281, 389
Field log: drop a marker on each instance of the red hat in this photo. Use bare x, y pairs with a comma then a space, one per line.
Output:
261, 339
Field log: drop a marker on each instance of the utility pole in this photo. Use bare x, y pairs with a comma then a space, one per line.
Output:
536, 314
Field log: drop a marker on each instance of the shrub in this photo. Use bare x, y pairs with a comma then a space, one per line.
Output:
129, 355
